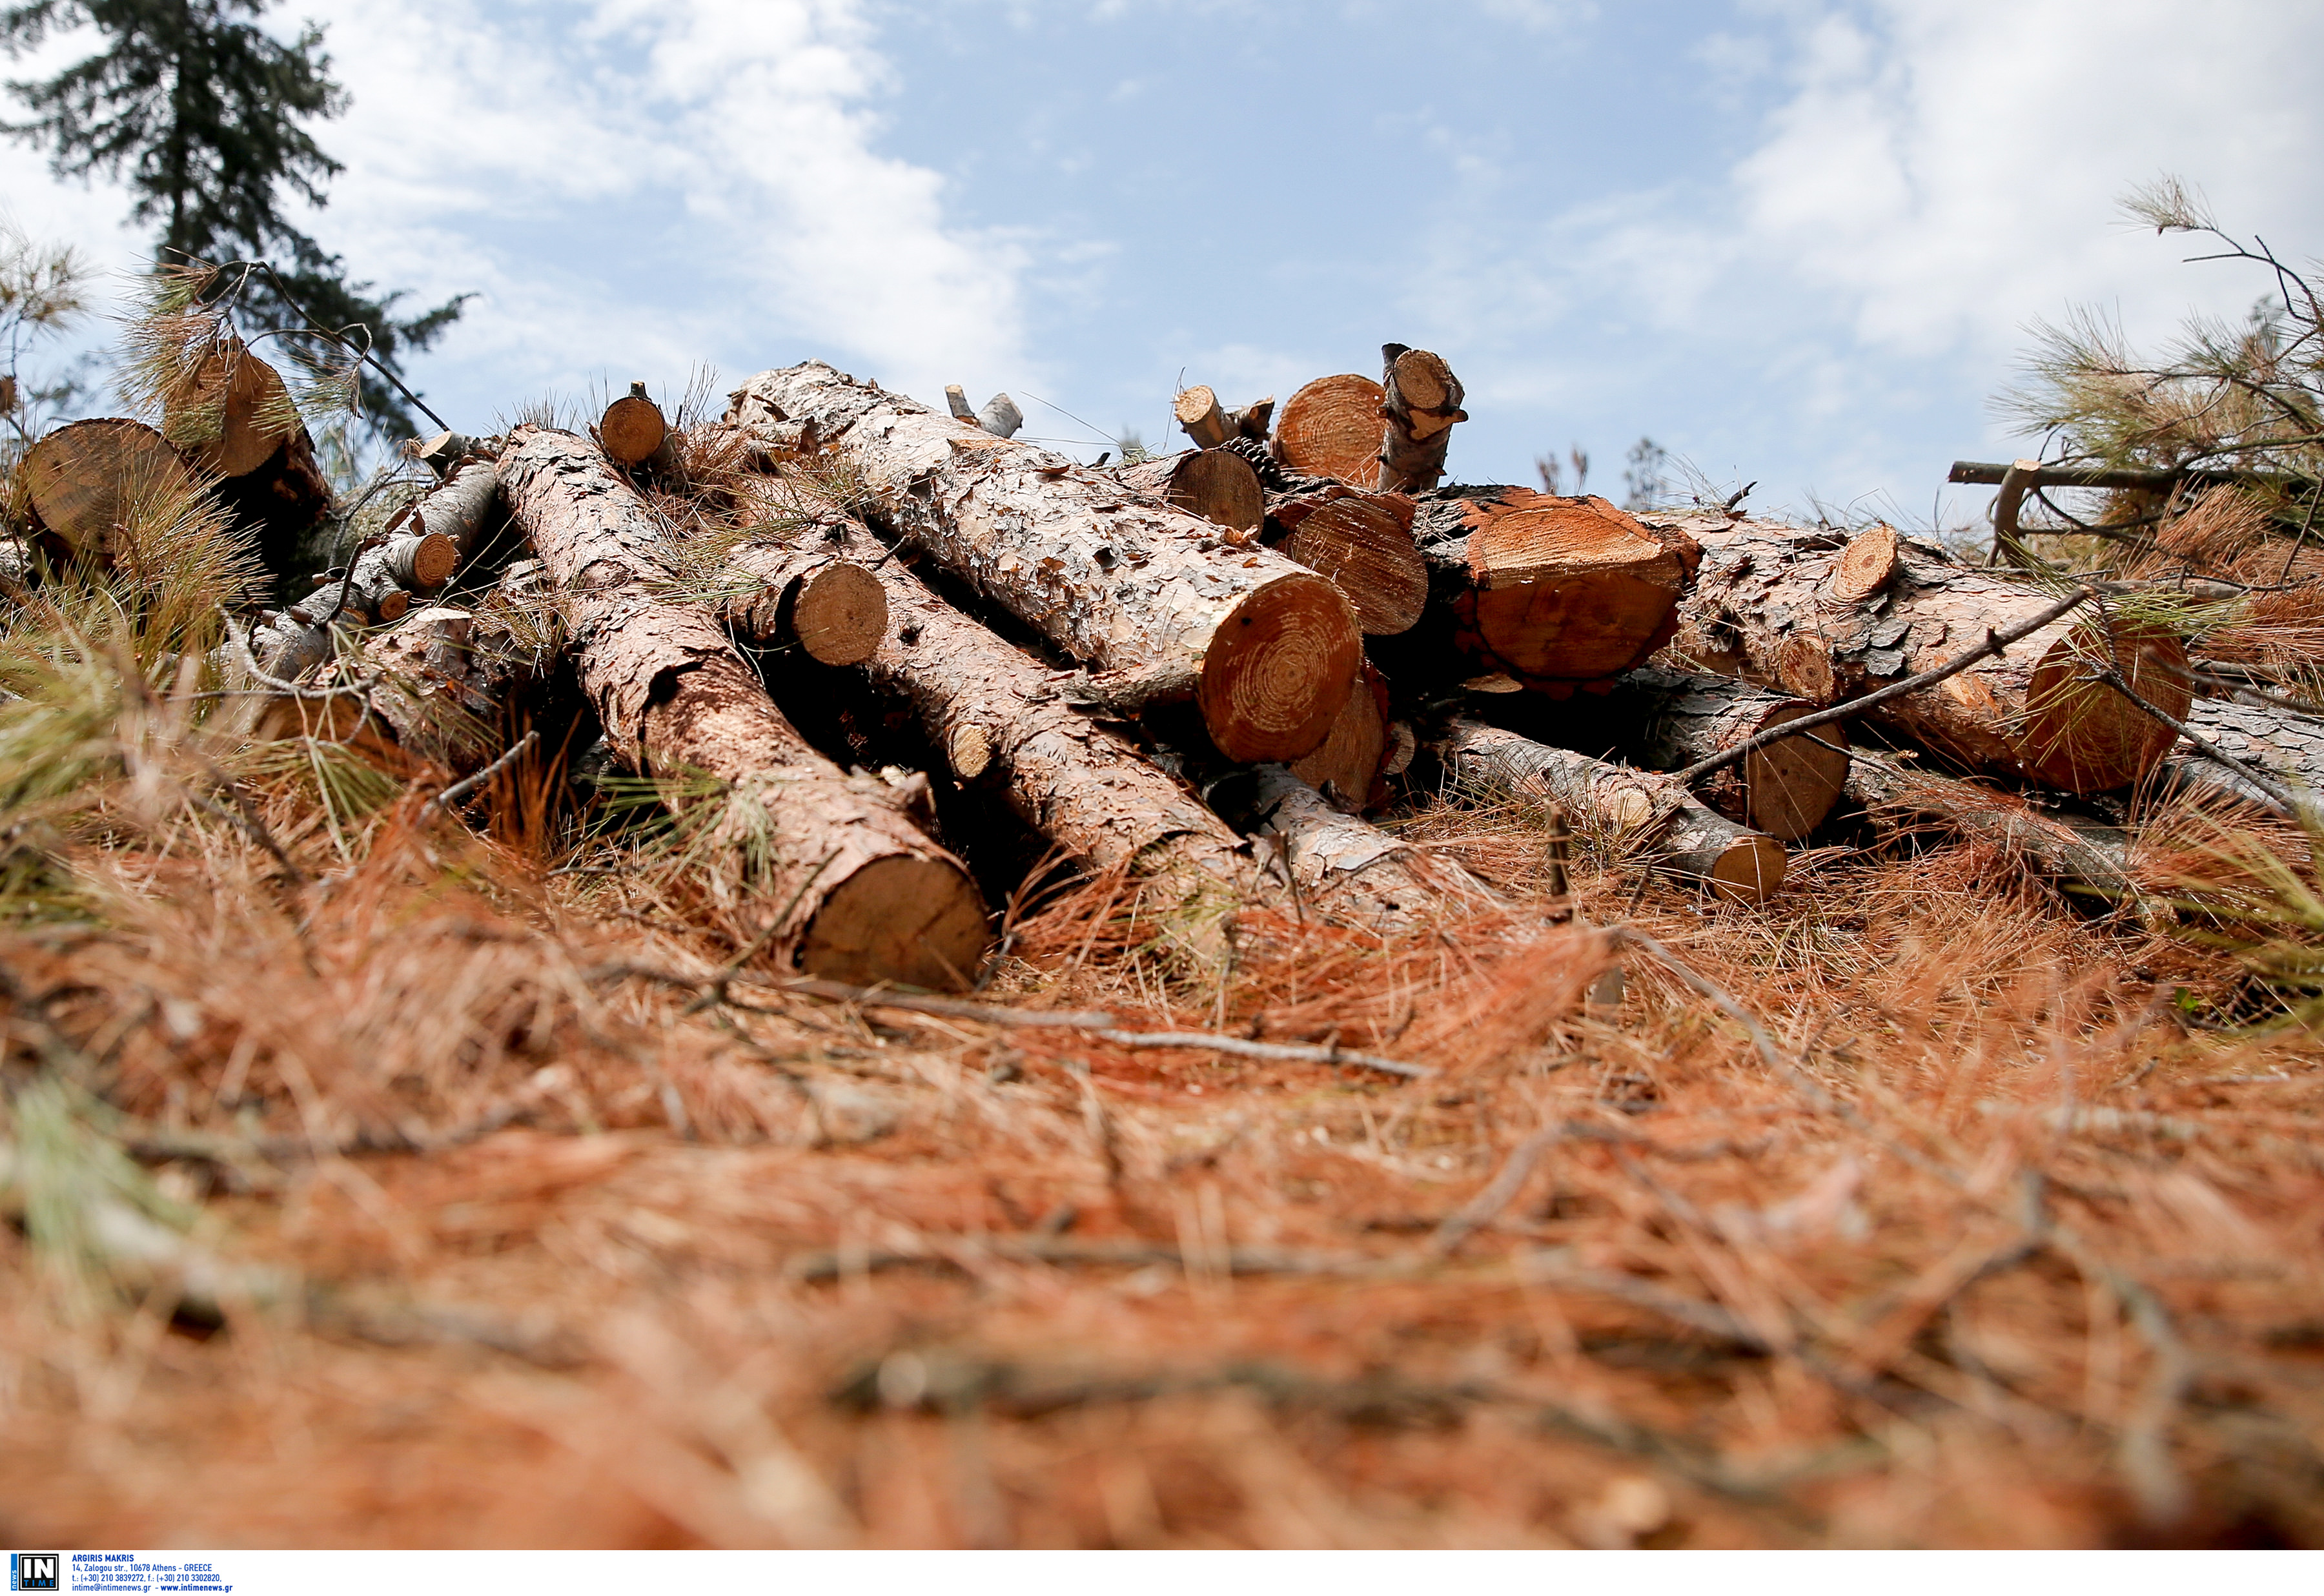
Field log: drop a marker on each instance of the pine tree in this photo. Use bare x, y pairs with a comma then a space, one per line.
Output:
201, 112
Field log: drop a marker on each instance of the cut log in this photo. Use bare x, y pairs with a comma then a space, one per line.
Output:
1336, 863
2086, 859
1362, 542
1271, 647
1765, 606
1331, 428
635, 433
1666, 720
1201, 418
1553, 592
862, 895
86, 482
465, 508
1420, 401
234, 419
1251, 421
2277, 742
1000, 417
1350, 767
813, 586
1634, 810
1219, 486
1867, 565
448, 451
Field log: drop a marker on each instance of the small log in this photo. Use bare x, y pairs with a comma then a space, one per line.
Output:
1201, 418
1331, 428
1000, 417
2087, 860
448, 451
1271, 647
1350, 767
1343, 867
1420, 401
1251, 421
1362, 542
2280, 743
862, 895
1765, 606
635, 433
233, 419
1871, 560
1638, 809
1219, 486
815, 588
85, 481
1666, 720
465, 508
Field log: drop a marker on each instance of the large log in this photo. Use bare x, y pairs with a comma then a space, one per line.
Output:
1420, 401
233, 417
2281, 743
84, 483
863, 896
2086, 859
1347, 768
1219, 486
1667, 720
1553, 592
1331, 428
1265, 648
1772, 603
1636, 810
1362, 542
1344, 867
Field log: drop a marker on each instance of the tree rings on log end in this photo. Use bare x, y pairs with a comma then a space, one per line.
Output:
1569, 588
1749, 870
1868, 564
88, 478
632, 430
1200, 417
232, 416
1276, 671
2082, 736
1348, 764
1331, 428
840, 614
1219, 487
919, 921
1791, 786
1368, 551
426, 562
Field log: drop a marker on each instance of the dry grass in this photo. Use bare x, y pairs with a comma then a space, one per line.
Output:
495, 1239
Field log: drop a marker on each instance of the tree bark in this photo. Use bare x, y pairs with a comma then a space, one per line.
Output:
1362, 542
1666, 720
1553, 592
1331, 428
1766, 607
1336, 863
1271, 647
428, 544
84, 481
1420, 401
862, 895
1635, 809
1219, 486
2278, 742
2087, 860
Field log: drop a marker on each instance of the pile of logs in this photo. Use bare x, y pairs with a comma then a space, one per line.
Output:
1202, 670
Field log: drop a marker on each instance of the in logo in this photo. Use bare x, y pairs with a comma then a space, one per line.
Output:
33, 1571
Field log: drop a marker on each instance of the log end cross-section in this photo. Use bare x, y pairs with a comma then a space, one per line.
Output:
1568, 589
1331, 428
1258, 686
1362, 542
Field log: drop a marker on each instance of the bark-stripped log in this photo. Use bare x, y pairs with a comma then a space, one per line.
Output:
868, 897
233, 419
1553, 592
1420, 401
2084, 860
1331, 428
1269, 646
1218, 486
1339, 864
2277, 742
1766, 607
1363, 541
86, 482
1350, 766
1633, 809
1666, 720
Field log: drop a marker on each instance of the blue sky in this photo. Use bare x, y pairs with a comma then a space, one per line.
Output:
1793, 242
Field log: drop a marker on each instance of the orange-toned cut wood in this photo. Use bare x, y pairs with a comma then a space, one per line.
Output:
1331, 428
1363, 541
233, 415
1568, 588
88, 480
632, 429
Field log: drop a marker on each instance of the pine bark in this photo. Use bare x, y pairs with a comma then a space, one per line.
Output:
1638, 809
1336, 862
1420, 401
1667, 720
1271, 648
863, 894
1767, 606
2278, 742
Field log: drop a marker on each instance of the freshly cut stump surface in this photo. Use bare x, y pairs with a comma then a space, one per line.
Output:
1331, 428
1363, 543
85, 479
